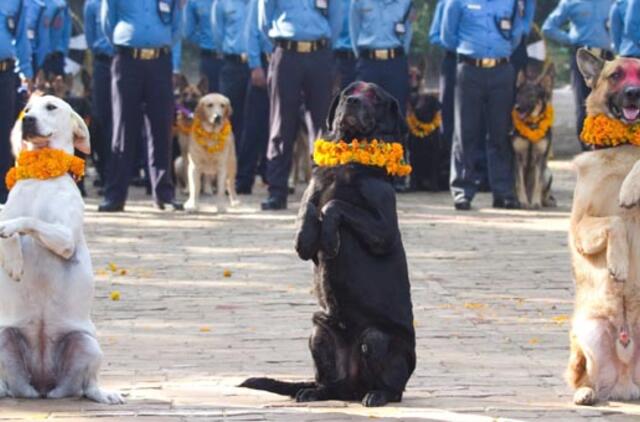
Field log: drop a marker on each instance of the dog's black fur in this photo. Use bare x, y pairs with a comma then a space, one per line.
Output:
363, 342
429, 156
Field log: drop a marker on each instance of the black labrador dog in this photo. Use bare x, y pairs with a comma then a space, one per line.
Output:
363, 341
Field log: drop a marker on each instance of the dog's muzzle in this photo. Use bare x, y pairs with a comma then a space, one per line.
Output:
29, 127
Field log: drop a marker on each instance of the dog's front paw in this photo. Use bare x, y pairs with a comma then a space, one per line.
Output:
104, 396
309, 394
11, 227
11, 257
375, 399
630, 190
585, 396
330, 240
191, 206
619, 272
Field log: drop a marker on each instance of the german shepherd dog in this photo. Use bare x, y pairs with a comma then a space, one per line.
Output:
363, 341
533, 178
604, 240
429, 157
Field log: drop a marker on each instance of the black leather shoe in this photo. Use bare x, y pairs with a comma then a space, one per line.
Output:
274, 204
462, 204
177, 206
111, 206
507, 204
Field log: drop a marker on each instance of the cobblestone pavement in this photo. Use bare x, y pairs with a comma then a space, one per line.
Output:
492, 293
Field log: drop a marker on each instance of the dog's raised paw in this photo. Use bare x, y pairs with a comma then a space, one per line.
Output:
585, 396
629, 196
11, 258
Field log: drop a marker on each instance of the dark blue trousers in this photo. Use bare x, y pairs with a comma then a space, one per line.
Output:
292, 75
392, 75
101, 121
482, 95
255, 136
210, 66
447, 95
345, 62
7, 105
142, 93
234, 79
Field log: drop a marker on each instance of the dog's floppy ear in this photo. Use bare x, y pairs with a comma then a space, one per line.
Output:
332, 112
81, 138
228, 110
590, 66
203, 85
394, 126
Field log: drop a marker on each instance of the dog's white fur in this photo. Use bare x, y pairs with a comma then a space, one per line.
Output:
48, 346
214, 111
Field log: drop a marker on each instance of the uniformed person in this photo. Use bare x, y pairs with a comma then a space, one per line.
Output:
255, 136
197, 29
381, 35
49, 29
102, 52
484, 34
15, 57
343, 54
589, 28
624, 19
302, 31
142, 33
228, 18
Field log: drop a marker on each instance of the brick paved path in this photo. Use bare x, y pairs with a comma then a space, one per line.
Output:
491, 289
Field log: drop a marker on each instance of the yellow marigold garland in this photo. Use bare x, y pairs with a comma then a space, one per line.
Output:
212, 142
421, 129
389, 156
44, 164
602, 130
534, 128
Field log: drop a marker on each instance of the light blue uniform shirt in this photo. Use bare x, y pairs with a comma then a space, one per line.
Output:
471, 28
96, 40
631, 29
257, 41
588, 23
48, 27
436, 24
14, 43
300, 20
623, 44
344, 39
140, 24
197, 24
228, 21
374, 23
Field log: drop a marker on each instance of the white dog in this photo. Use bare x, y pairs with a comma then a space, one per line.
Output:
212, 113
48, 346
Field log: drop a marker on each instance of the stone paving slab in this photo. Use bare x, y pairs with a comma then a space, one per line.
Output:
492, 293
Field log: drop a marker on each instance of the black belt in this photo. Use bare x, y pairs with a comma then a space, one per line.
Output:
485, 63
302, 46
599, 52
209, 53
144, 53
236, 58
382, 54
344, 54
102, 57
6, 65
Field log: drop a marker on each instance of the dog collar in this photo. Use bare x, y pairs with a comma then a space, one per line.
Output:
44, 164
604, 131
421, 129
212, 142
387, 155
533, 129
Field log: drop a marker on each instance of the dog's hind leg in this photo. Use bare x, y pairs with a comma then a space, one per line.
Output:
14, 375
386, 366
77, 359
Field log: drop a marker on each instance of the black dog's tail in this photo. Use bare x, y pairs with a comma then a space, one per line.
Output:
271, 385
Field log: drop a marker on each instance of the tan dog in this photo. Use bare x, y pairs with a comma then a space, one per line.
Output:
604, 241
210, 153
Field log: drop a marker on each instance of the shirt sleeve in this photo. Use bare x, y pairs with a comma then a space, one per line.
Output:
89, 23
617, 26
265, 15
108, 18
176, 23
632, 20
66, 31
552, 27
23, 46
176, 57
354, 25
191, 22
451, 14
408, 24
217, 24
252, 34
434, 30
335, 20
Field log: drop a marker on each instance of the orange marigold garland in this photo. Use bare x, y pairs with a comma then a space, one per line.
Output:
534, 128
44, 164
421, 129
212, 142
389, 156
602, 130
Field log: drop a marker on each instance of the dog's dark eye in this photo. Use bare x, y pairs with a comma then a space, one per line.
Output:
51, 107
616, 76
209, 105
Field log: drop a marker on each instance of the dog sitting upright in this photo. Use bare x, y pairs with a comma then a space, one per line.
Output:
48, 346
363, 341
533, 117
604, 237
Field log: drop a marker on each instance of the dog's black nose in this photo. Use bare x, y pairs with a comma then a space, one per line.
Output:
518, 107
353, 100
217, 119
632, 93
28, 120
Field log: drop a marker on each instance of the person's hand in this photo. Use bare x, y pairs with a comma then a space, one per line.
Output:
28, 83
258, 78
